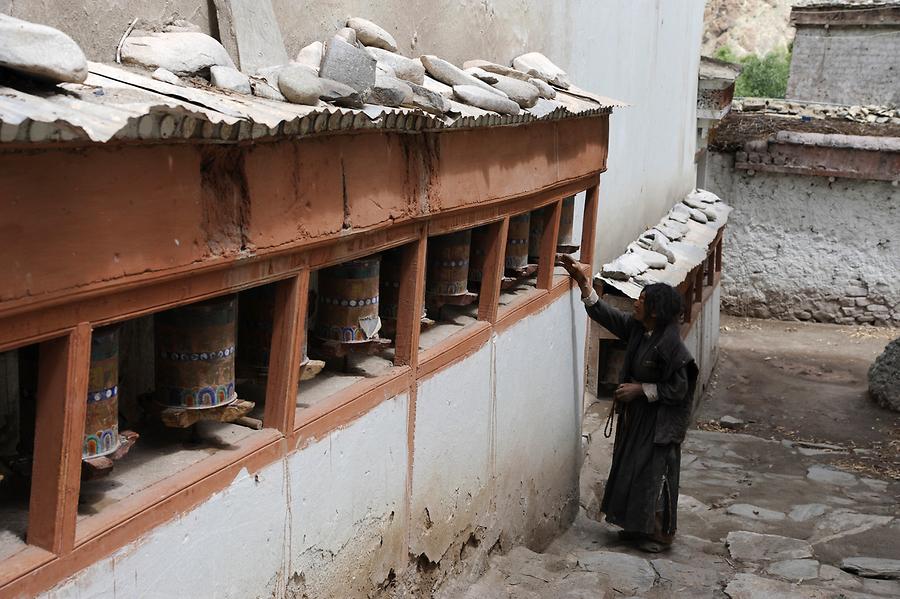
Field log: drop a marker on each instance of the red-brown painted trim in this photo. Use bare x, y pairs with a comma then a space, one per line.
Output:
63, 366
453, 349
411, 301
547, 252
99, 536
349, 404
286, 352
33, 570
589, 224
468, 217
492, 272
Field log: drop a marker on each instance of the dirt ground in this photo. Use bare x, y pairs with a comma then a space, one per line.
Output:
805, 382
779, 507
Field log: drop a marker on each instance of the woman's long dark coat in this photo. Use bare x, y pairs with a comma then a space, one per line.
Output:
642, 490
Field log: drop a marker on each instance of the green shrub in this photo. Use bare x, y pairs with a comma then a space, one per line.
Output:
764, 77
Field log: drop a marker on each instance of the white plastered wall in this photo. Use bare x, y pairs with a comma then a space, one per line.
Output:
318, 522
495, 454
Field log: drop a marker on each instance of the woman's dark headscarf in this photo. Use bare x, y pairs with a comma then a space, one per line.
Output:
663, 302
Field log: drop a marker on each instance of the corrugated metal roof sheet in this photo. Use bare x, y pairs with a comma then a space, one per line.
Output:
713, 68
114, 103
690, 251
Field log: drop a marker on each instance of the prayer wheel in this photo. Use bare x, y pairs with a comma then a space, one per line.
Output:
389, 289
348, 301
477, 254
566, 235
448, 264
195, 348
517, 242
101, 422
534, 239
256, 312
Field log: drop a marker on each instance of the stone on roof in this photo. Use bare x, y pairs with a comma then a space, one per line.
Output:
40, 51
182, 52
370, 34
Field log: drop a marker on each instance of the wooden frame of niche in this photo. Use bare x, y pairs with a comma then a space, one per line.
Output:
58, 547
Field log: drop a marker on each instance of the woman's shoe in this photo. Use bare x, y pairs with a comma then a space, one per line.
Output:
651, 546
629, 535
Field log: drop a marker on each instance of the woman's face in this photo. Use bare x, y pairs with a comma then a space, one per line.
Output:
639, 307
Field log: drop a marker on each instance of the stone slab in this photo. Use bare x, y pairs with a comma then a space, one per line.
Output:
830, 476
802, 513
249, 31
752, 546
794, 569
183, 53
348, 64
627, 574
872, 567
753, 512
40, 51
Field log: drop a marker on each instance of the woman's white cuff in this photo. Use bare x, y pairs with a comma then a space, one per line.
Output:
592, 299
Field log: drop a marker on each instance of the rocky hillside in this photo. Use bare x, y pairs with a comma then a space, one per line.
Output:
747, 26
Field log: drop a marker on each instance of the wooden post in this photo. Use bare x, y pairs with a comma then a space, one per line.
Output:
719, 250
63, 369
489, 297
9, 402
549, 236
411, 302
711, 267
288, 332
589, 225
698, 283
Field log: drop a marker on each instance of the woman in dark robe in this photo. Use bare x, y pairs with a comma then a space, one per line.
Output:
653, 401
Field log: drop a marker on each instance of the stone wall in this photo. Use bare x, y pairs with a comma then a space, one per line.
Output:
805, 248
846, 65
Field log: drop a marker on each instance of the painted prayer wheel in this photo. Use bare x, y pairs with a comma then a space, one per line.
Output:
448, 264
389, 289
348, 301
534, 239
195, 347
517, 242
477, 254
256, 312
566, 235
101, 422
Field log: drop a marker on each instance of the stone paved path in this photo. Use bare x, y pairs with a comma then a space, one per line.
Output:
758, 519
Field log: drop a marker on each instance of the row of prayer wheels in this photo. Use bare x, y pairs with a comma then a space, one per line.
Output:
196, 345
195, 365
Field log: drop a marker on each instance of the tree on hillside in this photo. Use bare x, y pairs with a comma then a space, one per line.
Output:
763, 77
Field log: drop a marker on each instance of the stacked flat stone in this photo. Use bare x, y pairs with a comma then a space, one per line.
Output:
40, 51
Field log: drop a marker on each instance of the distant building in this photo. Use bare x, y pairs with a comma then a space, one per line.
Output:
846, 52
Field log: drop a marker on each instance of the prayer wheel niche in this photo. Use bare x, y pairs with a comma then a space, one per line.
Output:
477, 254
257, 317
517, 242
195, 350
566, 239
534, 239
448, 264
348, 302
101, 422
389, 289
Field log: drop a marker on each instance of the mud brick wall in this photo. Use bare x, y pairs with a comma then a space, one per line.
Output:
804, 248
846, 65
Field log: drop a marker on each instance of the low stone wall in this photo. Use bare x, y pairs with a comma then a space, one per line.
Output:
807, 248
